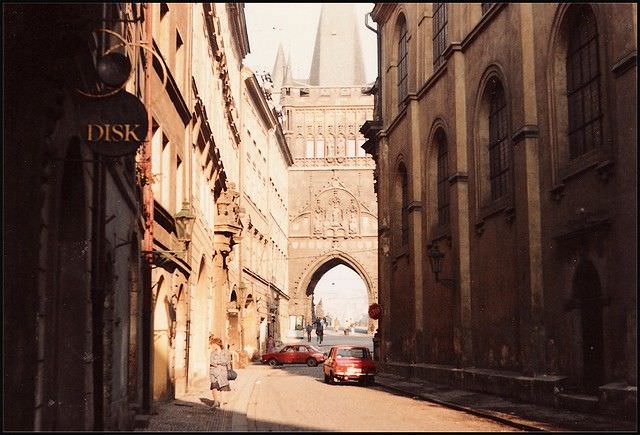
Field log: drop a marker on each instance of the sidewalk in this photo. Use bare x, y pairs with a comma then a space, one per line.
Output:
191, 412
525, 416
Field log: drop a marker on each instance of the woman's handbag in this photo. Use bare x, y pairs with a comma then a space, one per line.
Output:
231, 373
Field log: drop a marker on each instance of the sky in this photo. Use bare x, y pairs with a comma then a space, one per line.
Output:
343, 293
295, 25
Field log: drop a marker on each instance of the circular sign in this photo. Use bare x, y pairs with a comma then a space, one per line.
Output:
375, 311
113, 126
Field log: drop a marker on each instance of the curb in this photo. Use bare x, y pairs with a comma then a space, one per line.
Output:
468, 410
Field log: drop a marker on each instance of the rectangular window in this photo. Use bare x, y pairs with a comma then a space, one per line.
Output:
359, 150
310, 145
351, 148
320, 148
440, 20
179, 182
166, 173
179, 63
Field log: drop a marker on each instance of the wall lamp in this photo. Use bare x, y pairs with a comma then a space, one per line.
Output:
435, 260
184, 229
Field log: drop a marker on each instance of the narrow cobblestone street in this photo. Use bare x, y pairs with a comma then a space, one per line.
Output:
294, 398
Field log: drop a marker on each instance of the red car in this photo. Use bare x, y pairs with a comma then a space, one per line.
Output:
346, 363
294, 354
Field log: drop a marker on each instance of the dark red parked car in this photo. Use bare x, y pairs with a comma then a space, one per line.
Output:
294, 354
346, 363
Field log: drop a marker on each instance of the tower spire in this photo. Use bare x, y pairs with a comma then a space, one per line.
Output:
288, 77
277, 75
337, 55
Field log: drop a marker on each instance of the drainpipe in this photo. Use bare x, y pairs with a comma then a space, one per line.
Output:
147, 195
187, 193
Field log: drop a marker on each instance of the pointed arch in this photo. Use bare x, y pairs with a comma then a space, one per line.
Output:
576, 89
326, 262
493, 165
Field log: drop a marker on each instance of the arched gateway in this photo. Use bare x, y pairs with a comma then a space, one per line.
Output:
323, 265
333, 226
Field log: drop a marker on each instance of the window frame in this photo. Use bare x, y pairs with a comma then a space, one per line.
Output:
440, 29
499, 152
442, 178
402, 64
580, 83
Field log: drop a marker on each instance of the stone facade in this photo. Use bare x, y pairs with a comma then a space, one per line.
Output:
264, 201
476, 155
73, 335
332, 206
114, 300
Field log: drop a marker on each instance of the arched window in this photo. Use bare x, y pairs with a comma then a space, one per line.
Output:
499, 153
440, 20
442, 177
402, 59
583, 82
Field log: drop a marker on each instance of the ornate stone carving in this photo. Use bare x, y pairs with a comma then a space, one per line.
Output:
353, 217
227, 206
318, 221
228, 226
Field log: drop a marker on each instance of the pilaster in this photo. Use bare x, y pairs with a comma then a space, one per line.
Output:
460, 224
527, 184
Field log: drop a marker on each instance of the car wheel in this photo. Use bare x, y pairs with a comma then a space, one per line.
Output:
327, 379
273, 362
311, 362
372, 380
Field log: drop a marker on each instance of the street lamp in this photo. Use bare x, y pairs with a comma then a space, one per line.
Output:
435, 260
184, 223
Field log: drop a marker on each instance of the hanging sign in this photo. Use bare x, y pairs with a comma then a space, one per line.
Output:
375, 311
114, 125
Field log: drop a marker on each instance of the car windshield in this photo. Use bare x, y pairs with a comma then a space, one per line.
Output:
314, 349
352, 353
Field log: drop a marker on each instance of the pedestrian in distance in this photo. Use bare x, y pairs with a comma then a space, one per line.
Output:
271, 344
219, 365
309, 328
319, 331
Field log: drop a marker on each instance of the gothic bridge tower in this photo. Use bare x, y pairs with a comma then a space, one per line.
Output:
332, 205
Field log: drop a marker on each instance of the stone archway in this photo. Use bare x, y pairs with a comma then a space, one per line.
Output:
321, 266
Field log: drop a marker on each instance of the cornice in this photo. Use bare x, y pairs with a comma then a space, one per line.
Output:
382, 11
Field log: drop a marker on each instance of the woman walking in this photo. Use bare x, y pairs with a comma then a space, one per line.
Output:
219, 362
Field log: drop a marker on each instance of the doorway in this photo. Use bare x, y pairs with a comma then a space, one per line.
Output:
588, 293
